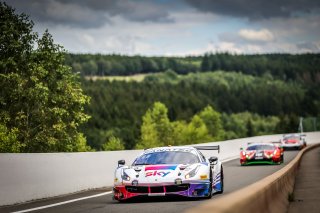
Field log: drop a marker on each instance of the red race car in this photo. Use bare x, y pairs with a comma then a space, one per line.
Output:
261, 153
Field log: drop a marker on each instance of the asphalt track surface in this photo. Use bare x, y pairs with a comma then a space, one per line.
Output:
236, 177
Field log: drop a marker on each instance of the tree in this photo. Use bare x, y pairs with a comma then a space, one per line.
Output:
156, 129
113, 144
213, 122
41, 101
9, 142
196, 131
180, 135
250, 128
288, 124
206, 63
91, 67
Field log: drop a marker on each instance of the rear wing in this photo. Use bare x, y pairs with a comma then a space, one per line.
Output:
217, 147
276, 142
294, 134
249, 143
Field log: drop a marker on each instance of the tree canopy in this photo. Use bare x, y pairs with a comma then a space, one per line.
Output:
41, 100
158, 130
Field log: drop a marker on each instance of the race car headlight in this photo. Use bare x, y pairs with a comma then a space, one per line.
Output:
125, 176
192, 173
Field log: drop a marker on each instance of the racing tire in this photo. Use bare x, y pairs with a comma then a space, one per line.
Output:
222, 183
210, 188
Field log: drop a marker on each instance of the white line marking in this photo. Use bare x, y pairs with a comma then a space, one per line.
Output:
62, 203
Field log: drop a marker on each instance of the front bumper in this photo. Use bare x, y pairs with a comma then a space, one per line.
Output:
271, 161
292, 146
123, 192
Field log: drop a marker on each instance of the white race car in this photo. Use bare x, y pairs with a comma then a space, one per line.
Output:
164, 171
293, 141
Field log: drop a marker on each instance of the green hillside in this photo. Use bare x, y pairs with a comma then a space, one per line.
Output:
266, 104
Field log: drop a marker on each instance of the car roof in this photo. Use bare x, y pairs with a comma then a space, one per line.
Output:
292, 135
262, 143
170, 149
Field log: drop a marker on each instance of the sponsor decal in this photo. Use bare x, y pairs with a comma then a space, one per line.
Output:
154, 170
202, 177
157, 173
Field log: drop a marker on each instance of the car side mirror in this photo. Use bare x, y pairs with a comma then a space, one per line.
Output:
213, 160
121, 162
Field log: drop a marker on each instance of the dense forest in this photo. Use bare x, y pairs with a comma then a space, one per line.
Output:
255, 94
249, 105
302, 68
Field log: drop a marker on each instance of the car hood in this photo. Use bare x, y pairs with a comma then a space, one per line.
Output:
291, 141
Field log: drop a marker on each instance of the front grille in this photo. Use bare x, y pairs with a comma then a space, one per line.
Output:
177, 188
137, 189
263, 159
260, 160
158, 189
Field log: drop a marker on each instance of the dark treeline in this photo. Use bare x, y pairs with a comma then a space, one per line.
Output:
117, 107
106, 65
302, 67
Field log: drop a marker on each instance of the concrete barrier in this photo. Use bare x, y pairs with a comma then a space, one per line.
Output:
270, 194
25, 177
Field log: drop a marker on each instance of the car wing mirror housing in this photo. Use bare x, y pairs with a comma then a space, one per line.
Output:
213, 160
121, 163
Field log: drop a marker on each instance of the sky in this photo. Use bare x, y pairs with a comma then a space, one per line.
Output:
177, 27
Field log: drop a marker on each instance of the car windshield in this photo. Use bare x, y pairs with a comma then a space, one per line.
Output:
261, 147
169, 157
292, 138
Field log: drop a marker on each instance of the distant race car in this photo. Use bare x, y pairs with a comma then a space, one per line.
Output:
165, 171
261, 153
294, 141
